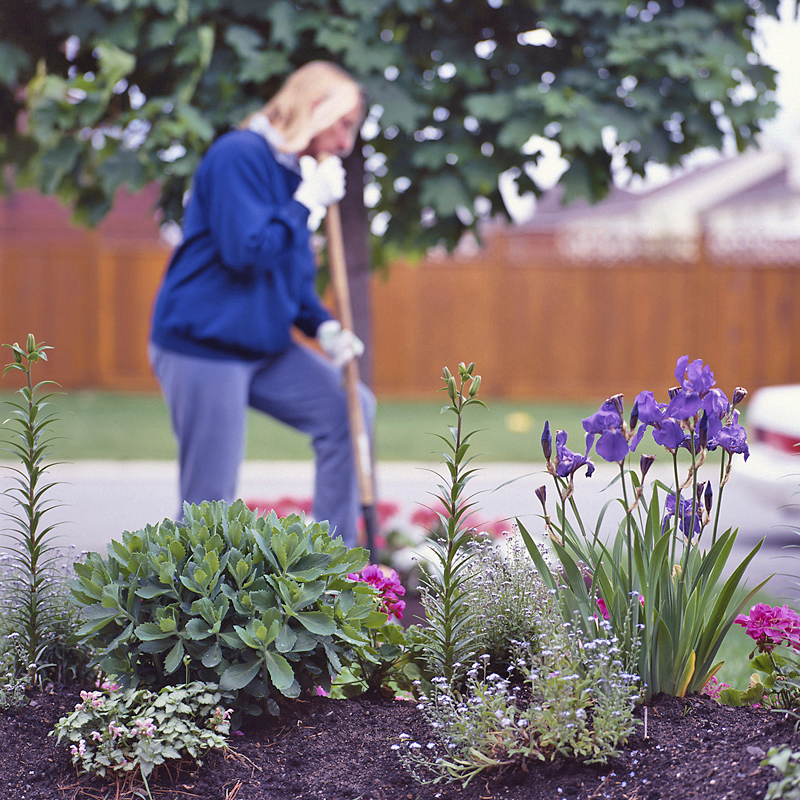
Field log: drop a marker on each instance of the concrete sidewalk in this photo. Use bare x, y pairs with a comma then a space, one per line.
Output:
104, 498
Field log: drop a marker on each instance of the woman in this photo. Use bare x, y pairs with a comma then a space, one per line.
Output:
243, 276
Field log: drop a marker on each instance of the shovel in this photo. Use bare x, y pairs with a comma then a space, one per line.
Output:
358, 429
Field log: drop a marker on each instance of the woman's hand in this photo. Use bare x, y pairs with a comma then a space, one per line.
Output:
340, 345
322, 182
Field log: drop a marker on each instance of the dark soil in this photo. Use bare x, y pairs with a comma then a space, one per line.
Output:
341, 750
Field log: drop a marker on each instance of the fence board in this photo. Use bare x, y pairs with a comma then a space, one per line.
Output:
537, 325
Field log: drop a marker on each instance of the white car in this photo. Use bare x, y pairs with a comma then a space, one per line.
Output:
772, 421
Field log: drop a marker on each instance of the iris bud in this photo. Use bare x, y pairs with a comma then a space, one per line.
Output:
702, 431
674, 391
708, 496
541, 493
739, 394
547, 441
645, 462
634, 415
617, 401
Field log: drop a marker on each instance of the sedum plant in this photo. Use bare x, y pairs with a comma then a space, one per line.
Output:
260, 605
658, 579
130, 733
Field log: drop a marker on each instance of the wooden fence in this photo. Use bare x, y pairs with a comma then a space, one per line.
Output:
538, 325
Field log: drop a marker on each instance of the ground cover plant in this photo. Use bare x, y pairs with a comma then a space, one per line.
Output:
536, 709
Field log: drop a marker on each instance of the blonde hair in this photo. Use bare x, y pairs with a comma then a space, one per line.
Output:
311, 99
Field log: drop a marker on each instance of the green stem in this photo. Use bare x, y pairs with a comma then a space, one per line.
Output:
719, 494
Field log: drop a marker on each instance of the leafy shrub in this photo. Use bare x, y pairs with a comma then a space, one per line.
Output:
135, 731
260, 605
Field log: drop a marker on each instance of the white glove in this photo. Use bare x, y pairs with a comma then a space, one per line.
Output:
322, 183
339, 345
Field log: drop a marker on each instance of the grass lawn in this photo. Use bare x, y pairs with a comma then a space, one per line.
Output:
110, 425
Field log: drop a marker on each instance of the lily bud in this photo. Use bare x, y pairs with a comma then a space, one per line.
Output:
547, 442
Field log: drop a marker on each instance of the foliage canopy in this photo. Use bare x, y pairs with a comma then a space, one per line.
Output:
97, 94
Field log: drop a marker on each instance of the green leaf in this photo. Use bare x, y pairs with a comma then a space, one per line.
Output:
150, 631
280, 671
317, 622
238, 676
286, 638
174, 658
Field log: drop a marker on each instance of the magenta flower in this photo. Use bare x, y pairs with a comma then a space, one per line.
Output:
388, 585
770, 626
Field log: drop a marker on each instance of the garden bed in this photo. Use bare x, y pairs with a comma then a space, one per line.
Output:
695, 749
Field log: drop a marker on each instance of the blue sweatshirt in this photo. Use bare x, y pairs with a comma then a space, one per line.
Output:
244, 273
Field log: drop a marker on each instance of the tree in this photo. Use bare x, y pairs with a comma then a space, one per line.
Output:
98, 94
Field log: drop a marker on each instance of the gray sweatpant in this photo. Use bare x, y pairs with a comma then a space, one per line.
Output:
208, 400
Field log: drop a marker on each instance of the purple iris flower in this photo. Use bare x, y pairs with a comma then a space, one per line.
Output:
607, 424
715, 403
567, 462
694, 377
731, 438
683, 405
650, 412
670, 435
685, 514
647, 412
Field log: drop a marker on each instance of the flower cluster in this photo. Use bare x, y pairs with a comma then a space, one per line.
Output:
770, 627
655, 552
387, 584
697, 417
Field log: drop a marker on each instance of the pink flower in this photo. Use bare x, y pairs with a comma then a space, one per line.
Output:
387, 583
713, 687
770, 626
94, 699
601, 604
146, 727
321, 692
115, 730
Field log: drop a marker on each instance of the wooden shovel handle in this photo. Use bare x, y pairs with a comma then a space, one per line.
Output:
341, 290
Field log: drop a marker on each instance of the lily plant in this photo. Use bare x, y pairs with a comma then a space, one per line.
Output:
658, 578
